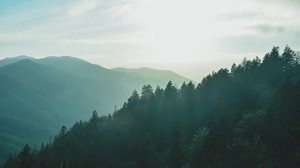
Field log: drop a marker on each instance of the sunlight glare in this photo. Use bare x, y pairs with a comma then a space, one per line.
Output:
180, 30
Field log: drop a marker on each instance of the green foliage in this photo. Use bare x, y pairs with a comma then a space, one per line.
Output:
196, 148
176, 156
147, 92
147, 155
249, 153
25, 158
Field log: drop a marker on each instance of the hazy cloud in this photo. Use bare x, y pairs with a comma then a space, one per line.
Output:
240, 15
265, 28
288, 2
81, 22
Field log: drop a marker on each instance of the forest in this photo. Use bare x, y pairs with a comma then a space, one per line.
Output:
245, 117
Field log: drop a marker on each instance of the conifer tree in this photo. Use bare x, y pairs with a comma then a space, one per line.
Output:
176, 157
147, 157
25, 158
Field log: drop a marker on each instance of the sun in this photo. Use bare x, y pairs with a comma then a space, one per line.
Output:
180, 30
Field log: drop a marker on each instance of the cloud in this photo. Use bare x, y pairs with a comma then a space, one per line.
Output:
101, 28
266, 28
289, 2
240, 15
82, 7
78, 21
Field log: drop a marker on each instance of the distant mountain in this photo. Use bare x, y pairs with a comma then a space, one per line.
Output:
153, 75
10, 60
38, 96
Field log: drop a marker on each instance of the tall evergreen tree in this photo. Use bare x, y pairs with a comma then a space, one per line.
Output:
25, 158
147, 155
176, 156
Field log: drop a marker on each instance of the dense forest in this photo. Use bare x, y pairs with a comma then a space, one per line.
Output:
245, 117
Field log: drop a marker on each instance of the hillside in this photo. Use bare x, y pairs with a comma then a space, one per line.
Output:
246, 117
40, 95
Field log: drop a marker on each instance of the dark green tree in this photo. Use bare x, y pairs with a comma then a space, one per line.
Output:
196, 151
288, 56
176, 156
63, 131
147, 155
133, 99
25, 157
10, 162
147, 92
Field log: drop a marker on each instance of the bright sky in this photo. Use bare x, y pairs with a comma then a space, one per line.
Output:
190, 37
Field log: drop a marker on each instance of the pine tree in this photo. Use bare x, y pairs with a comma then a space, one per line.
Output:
147, 92
196, 151
176, 156
25, 158
147, 157
10, 162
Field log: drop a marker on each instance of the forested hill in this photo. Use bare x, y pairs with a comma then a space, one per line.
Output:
38, 96
246, 117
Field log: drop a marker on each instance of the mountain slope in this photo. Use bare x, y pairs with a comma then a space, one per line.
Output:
34, 101
38, 96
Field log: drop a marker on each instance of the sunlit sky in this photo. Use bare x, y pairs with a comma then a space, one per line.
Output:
190, 37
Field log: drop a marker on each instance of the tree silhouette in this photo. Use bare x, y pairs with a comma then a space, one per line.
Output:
25, 158
147, 157
176, 157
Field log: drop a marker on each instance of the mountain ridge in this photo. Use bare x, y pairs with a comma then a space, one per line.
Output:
146, 71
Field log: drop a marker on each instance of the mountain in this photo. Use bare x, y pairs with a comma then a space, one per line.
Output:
9, 60
153, 75
38, 96
246, 117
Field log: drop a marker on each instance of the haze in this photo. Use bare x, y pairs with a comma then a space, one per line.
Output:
190, 37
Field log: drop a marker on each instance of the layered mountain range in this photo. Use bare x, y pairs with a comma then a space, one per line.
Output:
38, 96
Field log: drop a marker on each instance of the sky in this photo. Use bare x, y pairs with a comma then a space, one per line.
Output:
190, 37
